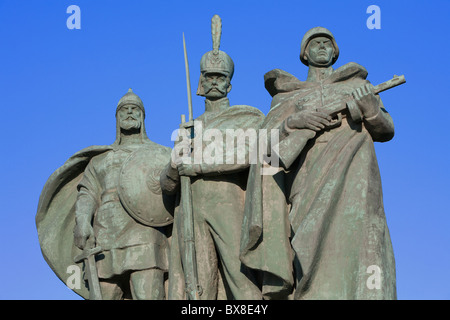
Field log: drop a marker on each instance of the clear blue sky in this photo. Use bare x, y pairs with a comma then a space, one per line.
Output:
59, 89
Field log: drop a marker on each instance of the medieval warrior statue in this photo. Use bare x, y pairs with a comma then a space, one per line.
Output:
318, 225
104, 211
217, 190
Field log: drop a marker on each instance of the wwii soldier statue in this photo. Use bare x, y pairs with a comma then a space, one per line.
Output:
332, 216
107, 202
217, 187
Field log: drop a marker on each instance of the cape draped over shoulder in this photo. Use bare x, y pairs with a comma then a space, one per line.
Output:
55, 218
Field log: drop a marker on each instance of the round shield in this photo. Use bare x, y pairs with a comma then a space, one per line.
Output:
139, 187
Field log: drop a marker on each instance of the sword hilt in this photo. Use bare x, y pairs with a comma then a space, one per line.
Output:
87, 252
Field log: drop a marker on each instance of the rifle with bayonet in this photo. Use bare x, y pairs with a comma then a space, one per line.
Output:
188, 256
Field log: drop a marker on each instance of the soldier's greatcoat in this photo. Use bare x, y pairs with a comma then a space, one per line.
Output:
332, 216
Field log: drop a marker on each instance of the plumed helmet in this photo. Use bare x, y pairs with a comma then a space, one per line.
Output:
131, 98
313, 33
215, 61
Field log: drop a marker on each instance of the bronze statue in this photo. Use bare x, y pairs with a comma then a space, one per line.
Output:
107, 201
217, 187
206, 220
325, 204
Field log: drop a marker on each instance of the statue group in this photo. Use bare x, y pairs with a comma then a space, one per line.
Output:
304, 221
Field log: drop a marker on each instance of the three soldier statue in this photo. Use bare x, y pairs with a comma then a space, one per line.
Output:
144, 221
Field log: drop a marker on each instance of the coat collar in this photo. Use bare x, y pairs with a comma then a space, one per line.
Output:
279, 81
217, 105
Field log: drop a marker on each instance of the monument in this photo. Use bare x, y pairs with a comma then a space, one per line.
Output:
205, 222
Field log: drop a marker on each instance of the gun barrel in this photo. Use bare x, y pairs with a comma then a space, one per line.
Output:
395, 81
340, 105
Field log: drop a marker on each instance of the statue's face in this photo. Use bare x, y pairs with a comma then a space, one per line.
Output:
129, 117
320, 52
215, 85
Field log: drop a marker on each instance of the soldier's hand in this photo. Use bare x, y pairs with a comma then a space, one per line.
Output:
366, 100
83, 231
190, 170
308, 119
181, 149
